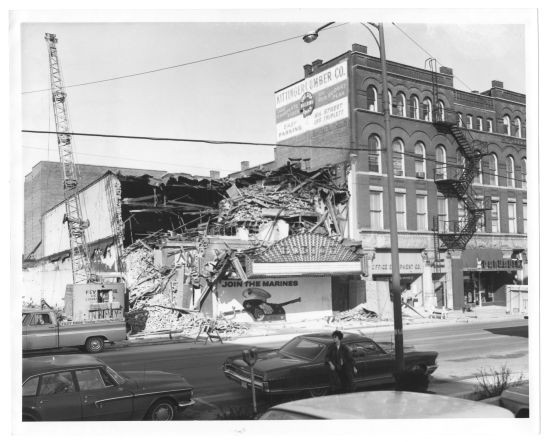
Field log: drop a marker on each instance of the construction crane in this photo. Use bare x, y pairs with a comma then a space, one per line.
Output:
80, 257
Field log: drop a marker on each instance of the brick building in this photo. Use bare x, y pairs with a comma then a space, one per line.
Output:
460, 166
43, 189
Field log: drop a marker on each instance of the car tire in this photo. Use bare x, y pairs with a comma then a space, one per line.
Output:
419, 369
95, 344
318, 392
259, 314
162, 410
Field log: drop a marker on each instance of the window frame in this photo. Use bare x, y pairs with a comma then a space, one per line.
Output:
479, 122
424, 214
510, 171
398, 142
377, 152
415, 107
469, 121
401, 104
401, 214
524, 173
512, 221
372, 102
517, 127
495, 221
492, 177
441, 110
443, 218
376, 214
427, 109
418, 161
441, 163
506, 124
489, 125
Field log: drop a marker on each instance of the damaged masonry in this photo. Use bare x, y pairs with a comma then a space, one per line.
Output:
264, 247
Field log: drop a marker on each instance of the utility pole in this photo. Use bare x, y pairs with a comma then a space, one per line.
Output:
394, 245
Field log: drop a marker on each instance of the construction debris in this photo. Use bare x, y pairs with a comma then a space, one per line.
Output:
358, 313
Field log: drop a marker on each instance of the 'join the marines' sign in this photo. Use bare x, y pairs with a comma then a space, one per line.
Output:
317, 101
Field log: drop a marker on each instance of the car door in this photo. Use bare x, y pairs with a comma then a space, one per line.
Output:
102, 398
39, 332
374, 365
57, 398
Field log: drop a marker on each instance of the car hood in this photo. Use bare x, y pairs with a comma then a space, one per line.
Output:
269, 361
146, 380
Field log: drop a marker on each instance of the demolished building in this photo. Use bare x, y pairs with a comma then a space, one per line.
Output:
270, 245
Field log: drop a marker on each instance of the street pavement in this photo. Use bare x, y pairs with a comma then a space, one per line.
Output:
457, 379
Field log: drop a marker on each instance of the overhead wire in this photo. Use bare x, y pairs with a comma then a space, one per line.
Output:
202, 60
247, 143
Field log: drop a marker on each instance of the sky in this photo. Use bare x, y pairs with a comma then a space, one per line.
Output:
229, 97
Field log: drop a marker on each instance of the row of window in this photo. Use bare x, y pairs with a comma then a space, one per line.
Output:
414, 110
424, 112
374, 152
444, 225
508, 128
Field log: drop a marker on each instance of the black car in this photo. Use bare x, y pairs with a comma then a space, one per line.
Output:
82, 387
299, 365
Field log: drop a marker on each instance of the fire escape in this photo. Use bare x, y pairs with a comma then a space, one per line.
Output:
456, 181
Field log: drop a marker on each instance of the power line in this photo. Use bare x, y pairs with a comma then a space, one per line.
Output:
248, 143
215, 57
128, 158
435, 58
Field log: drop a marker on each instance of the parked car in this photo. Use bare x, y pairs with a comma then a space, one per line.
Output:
82, 387
384, 405
516, 399
299, 365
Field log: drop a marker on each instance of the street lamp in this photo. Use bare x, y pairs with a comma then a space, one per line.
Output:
394, 246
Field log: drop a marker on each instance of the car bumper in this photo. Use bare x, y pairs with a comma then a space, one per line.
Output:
185, 404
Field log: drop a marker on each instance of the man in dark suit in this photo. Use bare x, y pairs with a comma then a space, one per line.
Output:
341, 365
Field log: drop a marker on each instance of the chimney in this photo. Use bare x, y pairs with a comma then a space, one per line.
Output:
215, 174
497, 83
308, 70
245, 165
445, 70
316, 64
355, 47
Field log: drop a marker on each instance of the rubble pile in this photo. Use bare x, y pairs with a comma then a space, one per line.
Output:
358, 313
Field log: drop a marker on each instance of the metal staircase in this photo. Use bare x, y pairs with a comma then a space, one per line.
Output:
456, 182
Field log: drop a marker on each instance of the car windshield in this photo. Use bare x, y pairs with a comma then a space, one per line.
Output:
302, 348
117, 377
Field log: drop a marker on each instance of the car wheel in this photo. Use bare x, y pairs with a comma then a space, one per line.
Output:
95, 344
259, 314
318, 392
419, 369
162, 410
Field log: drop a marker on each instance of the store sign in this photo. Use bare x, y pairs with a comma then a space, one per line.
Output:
317, 101
500, 264
408, 263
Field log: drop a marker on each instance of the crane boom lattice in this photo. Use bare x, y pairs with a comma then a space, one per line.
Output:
80, 258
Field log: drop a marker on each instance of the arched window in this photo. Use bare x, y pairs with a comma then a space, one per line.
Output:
510, 173
401, 104
420, 160
489, 125
491, 174
440, 162
398, 157
415, 111
477, 176
517, 127
374, 154
372, 99
427, 109
459, 119
479, 123
506, 125
440, 111
524, 173
469, 122
390, 102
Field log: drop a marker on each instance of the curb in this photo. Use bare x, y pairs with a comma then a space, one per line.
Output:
279, 334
